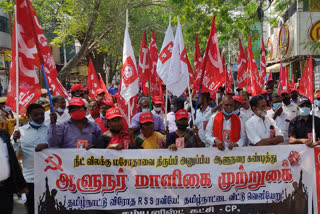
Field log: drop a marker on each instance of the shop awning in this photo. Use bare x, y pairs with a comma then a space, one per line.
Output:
276, 67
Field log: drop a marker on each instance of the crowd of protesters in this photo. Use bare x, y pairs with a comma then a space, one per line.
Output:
230, 120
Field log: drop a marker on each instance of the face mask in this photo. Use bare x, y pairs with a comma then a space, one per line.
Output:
304, 111
250, 97
294, 96
226, 113
101, 115
35, 124
286, 100
262, 113
78, 115
157, 109
275, 106
144, 110
115, 86
43, 99
60, 110
212, 105
147, 133
7, 108
317, 103
237, 112
94, 112
182, 126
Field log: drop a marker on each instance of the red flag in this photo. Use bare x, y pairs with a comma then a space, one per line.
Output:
155, 81
123, 107
253, 70
33, 51
92, 82
306, 82
213, 75
144, 62
197, 64
284, 83
270, 76
263, 65
58, 89
103, 86
229, 82
242, 77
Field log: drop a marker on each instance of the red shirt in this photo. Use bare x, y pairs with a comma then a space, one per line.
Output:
100, 123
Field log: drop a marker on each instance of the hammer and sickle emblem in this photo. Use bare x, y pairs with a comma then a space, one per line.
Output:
55, 165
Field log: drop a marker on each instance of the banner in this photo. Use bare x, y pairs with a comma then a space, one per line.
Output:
270, 179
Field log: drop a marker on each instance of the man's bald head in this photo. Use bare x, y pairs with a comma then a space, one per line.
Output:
228, 103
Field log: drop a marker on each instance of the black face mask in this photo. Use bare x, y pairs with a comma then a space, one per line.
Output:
182, 127
294, 96
115, 131
286, 100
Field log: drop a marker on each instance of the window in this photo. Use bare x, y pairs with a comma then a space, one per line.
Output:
4, 24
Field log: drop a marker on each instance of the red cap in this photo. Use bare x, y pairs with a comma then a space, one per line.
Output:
116, 95
157, 100
294, 88
146, 117
99, 91
181, 114
285, 90
237, 98
107, 102
76, 101
249, 90
264, 91
77, 87
318, 95
113, 113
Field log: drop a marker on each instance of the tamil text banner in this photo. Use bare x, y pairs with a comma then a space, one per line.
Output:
273, 179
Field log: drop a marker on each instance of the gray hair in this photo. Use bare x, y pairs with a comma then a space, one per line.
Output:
142, 99
55, 99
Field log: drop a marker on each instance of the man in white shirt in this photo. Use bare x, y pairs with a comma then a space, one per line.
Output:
94, 110
177, 104
157, 106
245, 111
224, 128
30, 138
262, 130
289, 107
59, 104
202, 117
281, 117
11, 178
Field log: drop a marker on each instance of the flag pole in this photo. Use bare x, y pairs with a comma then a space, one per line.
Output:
313, 126
197, 103
17, 71
47, 87
190, 97
166, 108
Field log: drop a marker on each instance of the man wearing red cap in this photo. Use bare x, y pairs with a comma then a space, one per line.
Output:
294, 95
183, 137
148, 139
78, 132
78, 91
115, 137
289, 107
100, 94
281, 117
157, 106
101, 121
224, 128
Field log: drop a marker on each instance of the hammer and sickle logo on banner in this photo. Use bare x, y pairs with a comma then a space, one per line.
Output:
55, 165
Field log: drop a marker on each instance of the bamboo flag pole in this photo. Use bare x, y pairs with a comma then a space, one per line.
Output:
17, 72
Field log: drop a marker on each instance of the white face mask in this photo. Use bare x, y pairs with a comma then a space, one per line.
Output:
60, 110
43, 99
157, 109
145, 110
7, 108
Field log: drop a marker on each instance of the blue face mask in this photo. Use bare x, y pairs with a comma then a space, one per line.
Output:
101, 115
304, 111
317, 103
35, 124
237, 112
212, 105
275, 106
227, 114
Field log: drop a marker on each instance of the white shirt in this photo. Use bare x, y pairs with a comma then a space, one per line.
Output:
90, 118
258, 129
60, 118
316, 112
226, 126
292, 109
282, 122
29, 140
245, 115
201, 121
161, 114
4, 161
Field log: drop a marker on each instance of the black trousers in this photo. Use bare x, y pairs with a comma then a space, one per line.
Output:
30, 198
6, 201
